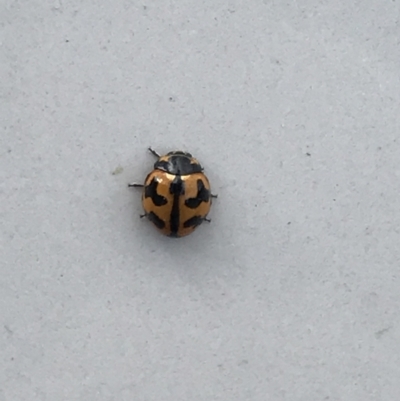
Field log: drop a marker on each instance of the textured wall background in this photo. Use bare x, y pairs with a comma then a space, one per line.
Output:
292, 292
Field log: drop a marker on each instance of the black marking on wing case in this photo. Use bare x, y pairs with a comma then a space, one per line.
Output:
151, 192
193, 222
203, 195
156, 220
177, 189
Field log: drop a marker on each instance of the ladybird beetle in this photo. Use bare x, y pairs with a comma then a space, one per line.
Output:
176, 195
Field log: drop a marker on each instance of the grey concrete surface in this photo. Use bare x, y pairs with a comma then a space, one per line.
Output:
292, 292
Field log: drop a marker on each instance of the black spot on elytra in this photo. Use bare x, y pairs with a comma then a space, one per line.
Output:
193, 222
156, 220
203, 195
176, 188
151, 192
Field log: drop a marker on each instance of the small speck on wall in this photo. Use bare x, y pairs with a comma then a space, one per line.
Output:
117, 170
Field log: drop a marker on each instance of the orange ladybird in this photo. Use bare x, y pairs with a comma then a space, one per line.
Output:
176, 195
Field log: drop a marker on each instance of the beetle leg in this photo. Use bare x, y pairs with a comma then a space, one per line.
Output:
207, 220
156, 154
213, 196
134, 185
143, 215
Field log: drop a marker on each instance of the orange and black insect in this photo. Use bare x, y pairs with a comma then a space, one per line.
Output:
176, 195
